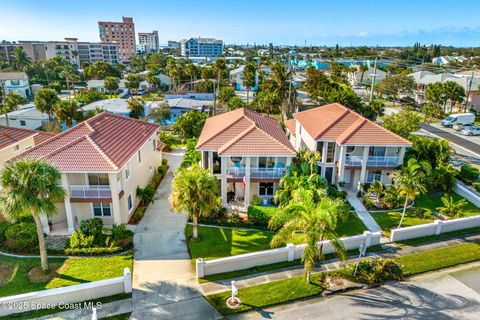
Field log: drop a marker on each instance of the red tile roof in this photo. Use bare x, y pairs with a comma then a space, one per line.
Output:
244, 132
291, 125
104, 142
338, 123
12, 135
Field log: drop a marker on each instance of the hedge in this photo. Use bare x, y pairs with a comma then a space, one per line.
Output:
91, 251
469, 174
260, 215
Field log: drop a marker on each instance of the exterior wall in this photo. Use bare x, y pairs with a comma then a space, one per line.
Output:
122, 33
194, 48
149, 40
21, 87
9, 152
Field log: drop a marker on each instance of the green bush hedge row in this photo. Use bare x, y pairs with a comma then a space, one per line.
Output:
91, 251
469, 174
260, 215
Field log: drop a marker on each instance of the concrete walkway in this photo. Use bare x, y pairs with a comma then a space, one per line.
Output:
391, 251
362, 212
164, 283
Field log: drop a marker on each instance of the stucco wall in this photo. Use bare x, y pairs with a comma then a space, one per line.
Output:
8, 153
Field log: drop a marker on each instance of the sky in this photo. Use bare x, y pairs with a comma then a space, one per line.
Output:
293, 22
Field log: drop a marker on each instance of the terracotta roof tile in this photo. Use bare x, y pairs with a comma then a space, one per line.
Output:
338, 123
12, 135
232, 132
104, 142
291, 125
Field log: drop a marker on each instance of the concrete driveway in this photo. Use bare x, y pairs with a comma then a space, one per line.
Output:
164, 283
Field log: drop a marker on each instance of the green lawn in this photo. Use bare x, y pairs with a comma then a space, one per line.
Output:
222, 242
433, 201
73, 271
260, 296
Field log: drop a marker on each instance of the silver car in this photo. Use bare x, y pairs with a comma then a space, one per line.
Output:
471, 131
460, 127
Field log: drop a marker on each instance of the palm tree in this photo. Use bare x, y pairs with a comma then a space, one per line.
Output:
31, 185
312, 158
410, 181
377, 188
191, 70
194, 191
249, 77
453, 92
66, 111
10, 103
452, 208
45, 101
21, 60
173, 72
363, 68
136, 107
281, 77
317, 221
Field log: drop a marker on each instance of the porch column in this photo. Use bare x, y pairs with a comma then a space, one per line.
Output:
68, 204
210, 161
247, 178
117, 214
341, 164
401, 155
45, 226
363, 172
223, 180
203, 159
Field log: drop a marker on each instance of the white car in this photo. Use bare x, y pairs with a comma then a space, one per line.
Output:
460, 127
471, 131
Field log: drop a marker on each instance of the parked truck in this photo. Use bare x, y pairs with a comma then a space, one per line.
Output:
458, 119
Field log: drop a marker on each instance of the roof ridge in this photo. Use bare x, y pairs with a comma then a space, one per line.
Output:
236, 138
219, 132
271, 137
63, 147
343, 115
360, 124
102, 153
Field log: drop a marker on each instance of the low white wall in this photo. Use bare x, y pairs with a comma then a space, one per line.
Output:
435, 228
288, 253
467, 193
59, 297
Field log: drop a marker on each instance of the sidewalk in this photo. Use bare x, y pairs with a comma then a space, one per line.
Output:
363, 213
389, 251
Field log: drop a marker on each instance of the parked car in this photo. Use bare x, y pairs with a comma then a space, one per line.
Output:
458, 118
471, 131
460, 126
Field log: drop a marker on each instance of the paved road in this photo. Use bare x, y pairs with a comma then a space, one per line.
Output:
462, 142
454, 295
164, 283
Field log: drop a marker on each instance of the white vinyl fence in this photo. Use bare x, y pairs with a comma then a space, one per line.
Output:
468, 194
288, 253
435, 228
61, 297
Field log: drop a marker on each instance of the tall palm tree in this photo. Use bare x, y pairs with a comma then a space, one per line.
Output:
453, 92
10, 103
45, 101
31, 186
282, 79
317, 221
173, 73
66, 111
452, 208
21, 60
410, 180
194, 191
249, 77
363, 68
191, 70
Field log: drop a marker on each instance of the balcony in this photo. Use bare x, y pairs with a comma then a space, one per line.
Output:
90, 192
258, 173
373, 161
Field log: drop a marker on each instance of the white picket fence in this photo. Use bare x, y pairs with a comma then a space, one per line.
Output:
288, 253
435, 228
61, 297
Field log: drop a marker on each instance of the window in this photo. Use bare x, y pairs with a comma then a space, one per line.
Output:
374, 175
23, 123
320, 146
154, 144
350, 149
377, 151
129, 202
95, 179
265, 189
266, 162
16, 147
139, 155
330, 151
236, 160
127, 170
329, 174
102, 209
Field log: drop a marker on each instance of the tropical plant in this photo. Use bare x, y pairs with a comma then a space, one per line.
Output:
21, 61
249, 77
316, 220
133, 81
111, 84
452, 208
194, 191
161, 113
136, 107
363, 68
453, 93
146, 195
403, 123
189, 125
10, 103
410, 181
66, 111
31, 186
45, 101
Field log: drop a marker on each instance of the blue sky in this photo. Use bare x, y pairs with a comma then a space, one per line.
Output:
320, 22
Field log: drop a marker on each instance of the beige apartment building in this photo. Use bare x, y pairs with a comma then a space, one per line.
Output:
102, 161
122, 33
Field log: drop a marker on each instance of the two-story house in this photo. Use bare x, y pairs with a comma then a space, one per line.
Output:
14, 141
354, 149
248, 152
15, 82
102, 161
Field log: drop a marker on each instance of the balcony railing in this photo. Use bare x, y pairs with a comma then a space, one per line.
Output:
259, 173
373, 161
85, 192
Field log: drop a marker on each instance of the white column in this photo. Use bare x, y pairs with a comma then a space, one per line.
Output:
210, 161
203, 159
341, 164
68, 204
247, 178
127, 280
401, 155
223, 180
45, 226
363, 172
117, 214
324, 152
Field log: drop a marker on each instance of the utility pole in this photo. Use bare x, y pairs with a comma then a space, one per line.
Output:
374, 75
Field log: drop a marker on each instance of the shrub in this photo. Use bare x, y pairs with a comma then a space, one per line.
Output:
162, 170
146, 194
476, 186
256, 200
93, 227
138, 215
335, 193
78, 240
375, 271
260, 215
164, 162
22, 235
469, 174
120, 232
92, 251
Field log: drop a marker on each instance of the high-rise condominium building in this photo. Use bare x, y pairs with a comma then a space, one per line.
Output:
149, 41
122, 33
201, 47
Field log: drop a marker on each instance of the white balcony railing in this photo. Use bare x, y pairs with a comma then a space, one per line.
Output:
85, 191
373, 161
259, 173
